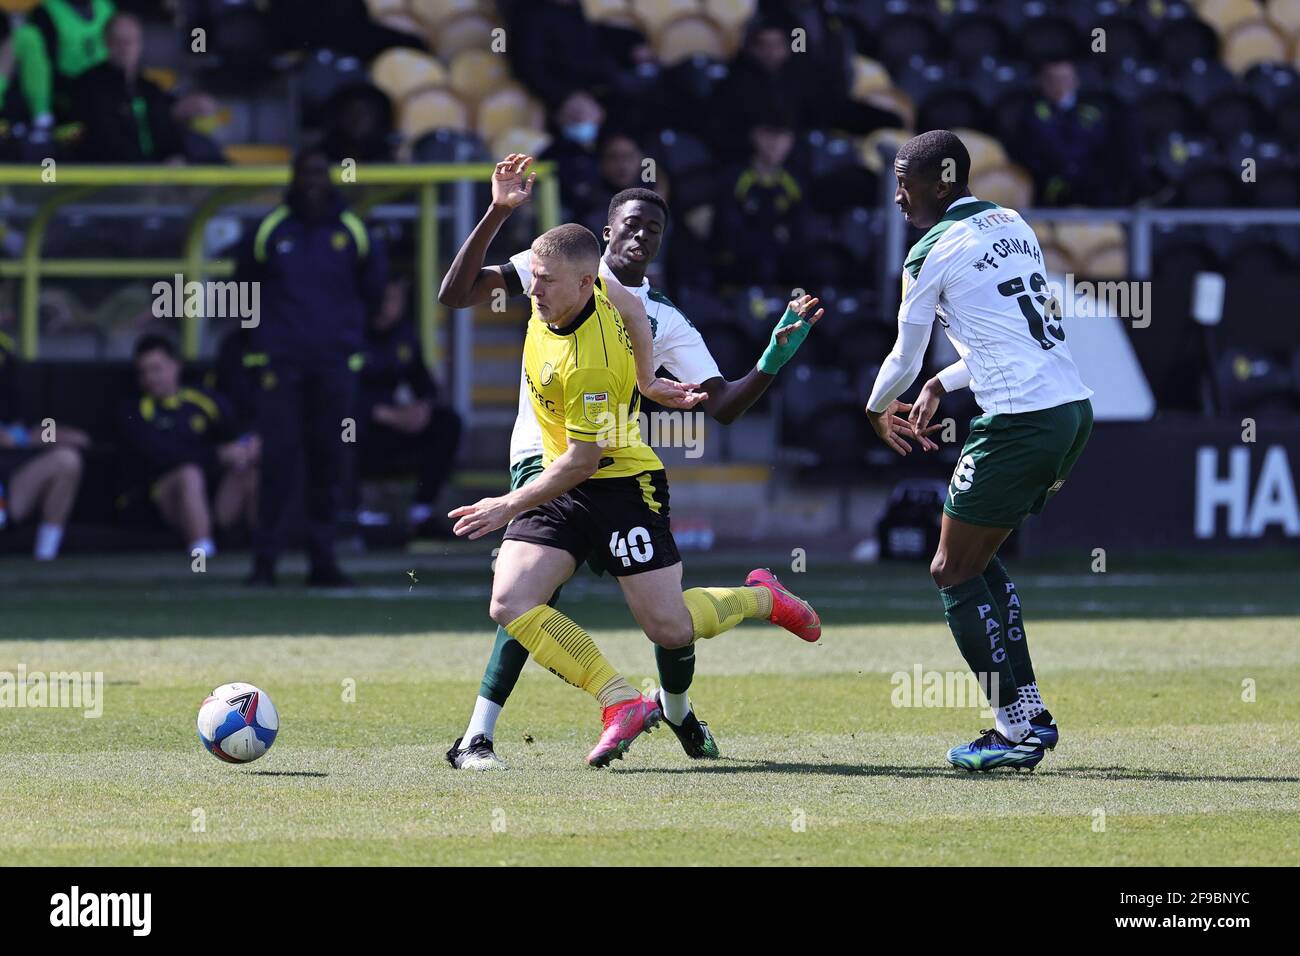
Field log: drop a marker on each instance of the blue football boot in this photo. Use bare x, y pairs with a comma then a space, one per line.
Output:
992, 750
1042, 729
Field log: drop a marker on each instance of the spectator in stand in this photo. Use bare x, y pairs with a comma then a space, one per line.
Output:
184, 442
125, 117
343, 26
576, 125
60, 41
1077, 151
554, 49
620, 165
34, 477
359, 125
400, 421
760, 220
797, 84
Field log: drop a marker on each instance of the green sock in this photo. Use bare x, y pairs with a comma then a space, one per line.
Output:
1004, 592
976, 623
505, 664
676, 668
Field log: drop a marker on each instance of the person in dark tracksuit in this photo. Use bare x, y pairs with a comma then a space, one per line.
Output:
322, 274
400, 421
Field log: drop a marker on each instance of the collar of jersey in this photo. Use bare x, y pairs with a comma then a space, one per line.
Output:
584, 314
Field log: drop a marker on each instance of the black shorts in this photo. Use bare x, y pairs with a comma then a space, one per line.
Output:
624, 521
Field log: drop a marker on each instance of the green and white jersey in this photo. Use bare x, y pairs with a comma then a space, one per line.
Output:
679, 347
981, 271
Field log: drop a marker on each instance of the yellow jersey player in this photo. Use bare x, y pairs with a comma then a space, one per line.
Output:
602, 489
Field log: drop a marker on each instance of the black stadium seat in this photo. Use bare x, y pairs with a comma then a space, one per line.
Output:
980, 36
1272, 82
1202, 80
903, 37
320, 76
1231, 114
952, 108
1127, 38
1164, 112
449, 146
1213, 186
1182, 41
1049, 37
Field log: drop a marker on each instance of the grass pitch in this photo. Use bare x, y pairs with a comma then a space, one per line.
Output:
1166, 756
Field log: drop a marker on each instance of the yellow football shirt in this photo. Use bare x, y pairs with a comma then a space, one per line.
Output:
582, 381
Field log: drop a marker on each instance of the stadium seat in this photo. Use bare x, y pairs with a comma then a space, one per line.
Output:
475, 74
433, 13
681, 153
1163, 112
982, 36
1286, 14
19, 6
1251, 380
380, 8
654, 15
430, 109
1286, 117
1183, 41
1056, 260
401, 71
1044, 230
507, 108
689, 36
869, 76
897, 101
1127, 38
1203, 80
1254, 42
985, 151
1108, 262
1007, 185
731, 15
319, 77
951, 108
468, 31
901, 38
1231, 114
1272, 82
533, 142
1226, 15
875, 140
450, 146
1082, 239
1213, 186
258, 154
1051, 36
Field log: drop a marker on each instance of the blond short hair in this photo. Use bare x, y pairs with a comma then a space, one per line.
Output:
570, 241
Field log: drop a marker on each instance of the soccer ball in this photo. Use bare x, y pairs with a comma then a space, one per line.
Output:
238, 723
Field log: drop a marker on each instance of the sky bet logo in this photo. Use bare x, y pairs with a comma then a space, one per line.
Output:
134, 910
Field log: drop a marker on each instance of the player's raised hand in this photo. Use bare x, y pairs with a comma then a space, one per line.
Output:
894, 429
482, 517
803, 307
670, 394
510, 188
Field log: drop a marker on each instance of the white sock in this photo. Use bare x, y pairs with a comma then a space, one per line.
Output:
48, 539
1012, 722
676, 706
482, 721
206, 545
1031, 700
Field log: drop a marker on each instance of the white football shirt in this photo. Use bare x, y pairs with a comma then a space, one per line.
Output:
679, 347
980, 269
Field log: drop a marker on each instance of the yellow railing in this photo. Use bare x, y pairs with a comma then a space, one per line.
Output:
69, 184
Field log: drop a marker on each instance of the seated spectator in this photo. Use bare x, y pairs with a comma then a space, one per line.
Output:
59, 42
1071, 147
400, 422
125, 117
760, 218
576, 126
182, 443
40, 468
359, 125
620, 165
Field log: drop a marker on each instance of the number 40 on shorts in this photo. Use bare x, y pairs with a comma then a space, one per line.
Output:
635, 546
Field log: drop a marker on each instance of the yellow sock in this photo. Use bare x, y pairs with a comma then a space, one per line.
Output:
566, 650
714, 610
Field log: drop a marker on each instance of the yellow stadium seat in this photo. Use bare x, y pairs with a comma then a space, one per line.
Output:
869, 77
426, 110
731, 15
1223, 15
382, 8
478, 73
434, 12
898, 101
653, 15
1108, 262
258, 154
1250, 43
531, 142
985, 151
400, 71
467, 32
1286, 14
507, 108
894, 138
403, 22
1045, 230
1056, 260
1007, 185
617, 12
689, 36
1082, 239
19, 6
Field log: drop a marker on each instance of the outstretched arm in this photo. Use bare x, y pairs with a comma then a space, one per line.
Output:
664, 391
467, 281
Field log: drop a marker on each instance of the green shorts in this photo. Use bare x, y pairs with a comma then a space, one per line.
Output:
526, 470
1011, 464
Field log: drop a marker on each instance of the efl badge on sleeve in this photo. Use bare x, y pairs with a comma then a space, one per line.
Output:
595, 407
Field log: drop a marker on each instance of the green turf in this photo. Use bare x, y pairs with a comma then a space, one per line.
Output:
1162, 761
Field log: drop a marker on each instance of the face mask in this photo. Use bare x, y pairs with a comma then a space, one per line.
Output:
582, 133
